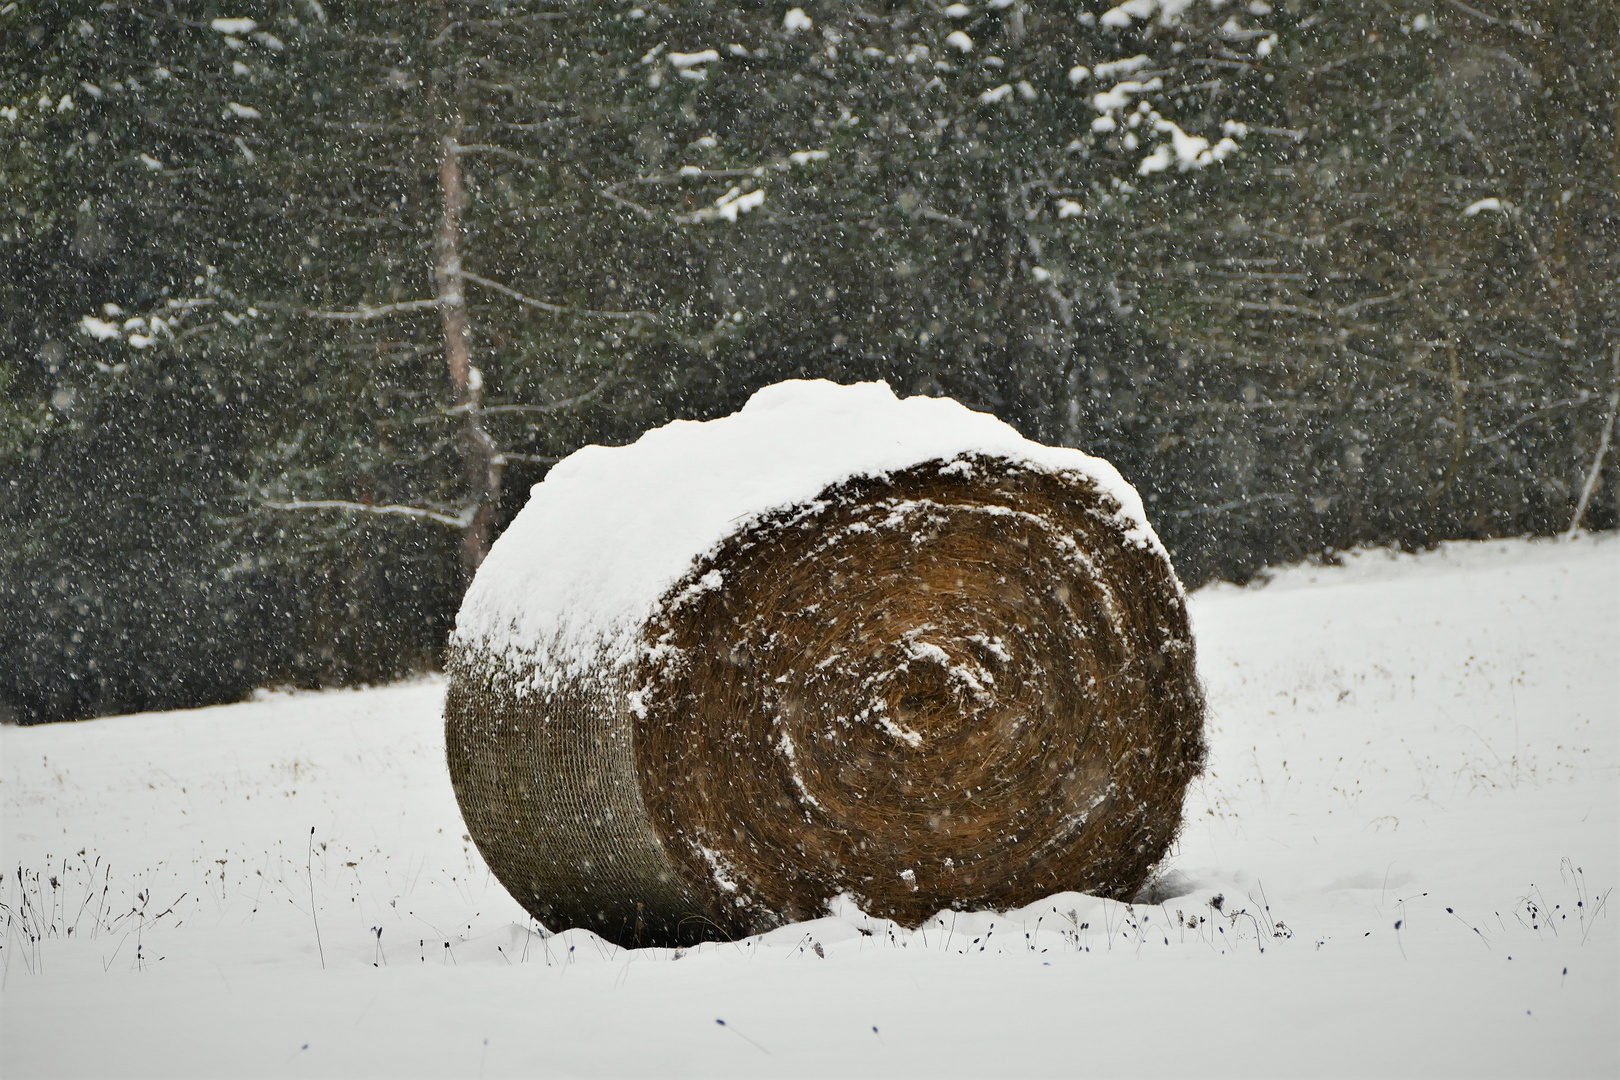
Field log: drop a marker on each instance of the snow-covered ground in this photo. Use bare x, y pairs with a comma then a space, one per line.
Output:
1400, 863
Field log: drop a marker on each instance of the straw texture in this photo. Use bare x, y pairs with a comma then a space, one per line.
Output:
959, 685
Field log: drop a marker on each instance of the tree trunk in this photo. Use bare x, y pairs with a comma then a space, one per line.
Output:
481, 464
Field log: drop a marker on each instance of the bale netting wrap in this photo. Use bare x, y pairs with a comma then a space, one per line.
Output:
835, 644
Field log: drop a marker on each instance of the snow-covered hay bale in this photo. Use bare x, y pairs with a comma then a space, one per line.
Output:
836, 643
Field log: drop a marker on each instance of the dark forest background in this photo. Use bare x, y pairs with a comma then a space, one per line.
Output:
298, 299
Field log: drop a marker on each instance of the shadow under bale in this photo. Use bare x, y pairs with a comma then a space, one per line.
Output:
965, 684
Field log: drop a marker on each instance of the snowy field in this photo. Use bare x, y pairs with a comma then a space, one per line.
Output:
1399, 863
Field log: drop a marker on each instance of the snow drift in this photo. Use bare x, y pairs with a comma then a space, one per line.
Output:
838, 643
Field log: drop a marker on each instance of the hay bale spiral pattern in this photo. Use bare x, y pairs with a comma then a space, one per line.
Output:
960, 684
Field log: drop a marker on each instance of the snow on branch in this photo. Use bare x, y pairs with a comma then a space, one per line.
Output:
697, 172
727, 207
366, 311
144, 331
730, 204
532, 459
457, 521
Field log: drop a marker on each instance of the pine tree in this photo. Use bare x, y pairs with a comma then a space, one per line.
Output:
299, 298
124, 137
1403, 316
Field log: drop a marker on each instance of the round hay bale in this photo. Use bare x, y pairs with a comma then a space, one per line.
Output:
836, 643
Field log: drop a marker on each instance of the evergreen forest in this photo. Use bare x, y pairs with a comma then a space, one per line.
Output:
298, 298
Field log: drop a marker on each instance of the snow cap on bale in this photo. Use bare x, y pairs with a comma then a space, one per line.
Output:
610, 529
837, 644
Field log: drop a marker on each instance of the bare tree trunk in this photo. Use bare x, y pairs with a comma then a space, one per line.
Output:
482, 465
1602, 451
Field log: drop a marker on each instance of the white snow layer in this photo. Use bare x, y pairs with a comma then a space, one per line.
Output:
611, 529
1168, 11
686, 60
1429, 741
98, 329
1114, 68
